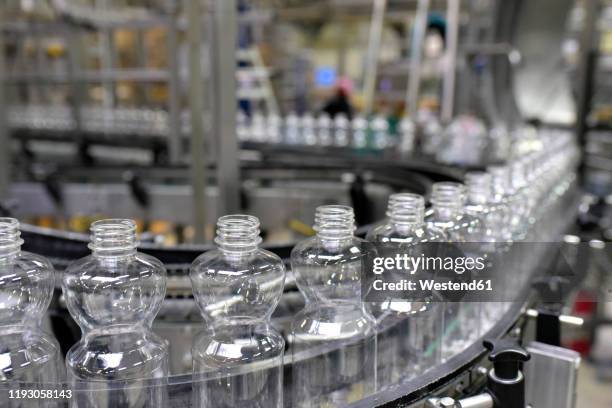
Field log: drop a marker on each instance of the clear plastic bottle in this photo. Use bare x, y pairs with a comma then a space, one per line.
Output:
258, 127
27, 353
491, 237
480, 204
334, 336
114, 295
324, 129
360, 127
407, 137
238, 358
273, 128
506, 193
341, 130
292, 129
461, 319
380, 132
308, 133
409, 332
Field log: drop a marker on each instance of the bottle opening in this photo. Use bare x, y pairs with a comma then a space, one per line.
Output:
113, 236
10, 236
406, 209
238, 232
334, 221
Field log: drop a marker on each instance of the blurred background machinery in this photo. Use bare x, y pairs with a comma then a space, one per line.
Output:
174, 113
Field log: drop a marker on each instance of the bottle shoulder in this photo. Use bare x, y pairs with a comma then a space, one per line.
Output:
217, 262
27, 262
388, 233
138, 263
316, 250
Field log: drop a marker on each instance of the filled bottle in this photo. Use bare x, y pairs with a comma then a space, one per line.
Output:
333, 339
238, 357
461, 319
409, 332
27, 353
114, 295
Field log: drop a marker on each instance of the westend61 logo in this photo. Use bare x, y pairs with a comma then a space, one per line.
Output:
458, 272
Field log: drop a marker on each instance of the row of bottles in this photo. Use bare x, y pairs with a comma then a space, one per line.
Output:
340, 348
323, 130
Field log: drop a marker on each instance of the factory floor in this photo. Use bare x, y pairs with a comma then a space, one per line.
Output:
592, 391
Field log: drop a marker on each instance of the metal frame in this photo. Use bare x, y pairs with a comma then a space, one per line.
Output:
225, 25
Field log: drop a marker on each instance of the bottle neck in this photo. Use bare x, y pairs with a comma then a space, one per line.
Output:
500, 177
447, 200
10, 238
237, 235
334, 224
479, 188
113, 238
406, 211
518, 175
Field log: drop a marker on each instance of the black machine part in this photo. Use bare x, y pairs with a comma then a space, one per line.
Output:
505, 381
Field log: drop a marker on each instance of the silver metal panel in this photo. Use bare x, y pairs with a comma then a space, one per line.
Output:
452, 38
196, 103
416, 54
5, 158
551, 376
374, 38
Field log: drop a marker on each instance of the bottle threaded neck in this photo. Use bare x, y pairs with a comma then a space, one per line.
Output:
448, 197
10, 236
406, 209
238, 232
113, 237
334, 222
479, 187
500, 176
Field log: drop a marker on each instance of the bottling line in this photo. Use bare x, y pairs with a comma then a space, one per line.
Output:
197, 209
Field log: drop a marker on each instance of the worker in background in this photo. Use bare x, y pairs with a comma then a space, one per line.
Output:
340, 101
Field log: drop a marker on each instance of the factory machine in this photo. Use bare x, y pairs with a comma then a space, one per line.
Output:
99, 126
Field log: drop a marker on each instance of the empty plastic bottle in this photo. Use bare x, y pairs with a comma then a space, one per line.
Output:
461, 319
360, 127
333, 337
409, 332
341, 130
407, 137
380, 130
258, 127
292, 129
324, 129
238, 358
27, 353
273, 128
114, 295
307, 126
491, 238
